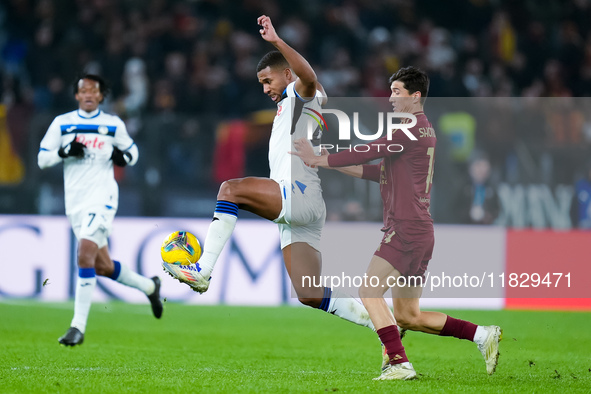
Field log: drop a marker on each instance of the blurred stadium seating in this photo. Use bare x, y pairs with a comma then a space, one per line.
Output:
181, 71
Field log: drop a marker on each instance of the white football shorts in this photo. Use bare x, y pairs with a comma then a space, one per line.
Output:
302, 215
93, 223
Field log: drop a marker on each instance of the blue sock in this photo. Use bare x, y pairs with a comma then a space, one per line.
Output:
226, 207
218, 233
86, 272
325, 299
116, 270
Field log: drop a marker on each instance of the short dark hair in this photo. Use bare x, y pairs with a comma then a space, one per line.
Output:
103, 86
413, 80
273, 59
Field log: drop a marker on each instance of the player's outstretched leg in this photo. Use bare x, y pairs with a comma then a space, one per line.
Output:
261, 196
409, 316
487, 338
302, 262
122, 274
343, 306
198, 275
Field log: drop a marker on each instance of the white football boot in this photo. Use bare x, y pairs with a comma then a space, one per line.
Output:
490, 347
188, 274
404, 371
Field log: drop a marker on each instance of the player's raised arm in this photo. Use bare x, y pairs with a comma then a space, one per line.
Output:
307, 83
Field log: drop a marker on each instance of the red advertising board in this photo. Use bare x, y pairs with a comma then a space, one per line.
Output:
548, 270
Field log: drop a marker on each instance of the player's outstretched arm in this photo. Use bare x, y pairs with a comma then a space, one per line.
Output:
306, 84
305, 152
354, 171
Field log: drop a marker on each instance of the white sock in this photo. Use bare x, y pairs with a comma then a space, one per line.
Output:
348, 308
480, 335
84, 288
133, 279
218, 234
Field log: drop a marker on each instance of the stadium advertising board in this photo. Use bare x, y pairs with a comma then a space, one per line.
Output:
472, 266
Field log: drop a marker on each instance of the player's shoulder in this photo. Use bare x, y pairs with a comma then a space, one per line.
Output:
110, 119
290, 91
66, 116
423, 127
105, 115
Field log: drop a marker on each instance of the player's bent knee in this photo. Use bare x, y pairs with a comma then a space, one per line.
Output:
230, 190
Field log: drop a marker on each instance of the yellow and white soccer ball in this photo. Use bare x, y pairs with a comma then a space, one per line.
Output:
181, 248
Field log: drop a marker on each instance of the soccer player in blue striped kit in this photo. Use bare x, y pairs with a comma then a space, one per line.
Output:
290, 197
89, 142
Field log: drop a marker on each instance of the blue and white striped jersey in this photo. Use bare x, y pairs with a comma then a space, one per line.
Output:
88, 181
290, 124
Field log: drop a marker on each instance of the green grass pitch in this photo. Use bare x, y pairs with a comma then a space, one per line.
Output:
204, 349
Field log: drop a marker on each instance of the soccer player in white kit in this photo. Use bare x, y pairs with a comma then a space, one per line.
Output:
291, 197
88, 142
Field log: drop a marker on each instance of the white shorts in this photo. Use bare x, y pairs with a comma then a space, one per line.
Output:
302, 215
93, 223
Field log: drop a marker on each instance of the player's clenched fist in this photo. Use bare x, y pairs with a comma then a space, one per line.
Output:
268, 31
73, 149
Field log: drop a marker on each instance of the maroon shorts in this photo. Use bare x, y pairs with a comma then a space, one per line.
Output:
408, 248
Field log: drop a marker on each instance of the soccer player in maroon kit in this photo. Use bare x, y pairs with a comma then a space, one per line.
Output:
405, 177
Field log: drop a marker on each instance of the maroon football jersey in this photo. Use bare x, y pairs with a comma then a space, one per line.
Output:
405, 177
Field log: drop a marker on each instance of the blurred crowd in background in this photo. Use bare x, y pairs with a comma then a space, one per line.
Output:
183, 79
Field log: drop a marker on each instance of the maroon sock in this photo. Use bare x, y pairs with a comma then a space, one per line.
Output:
461, 329
390, 337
